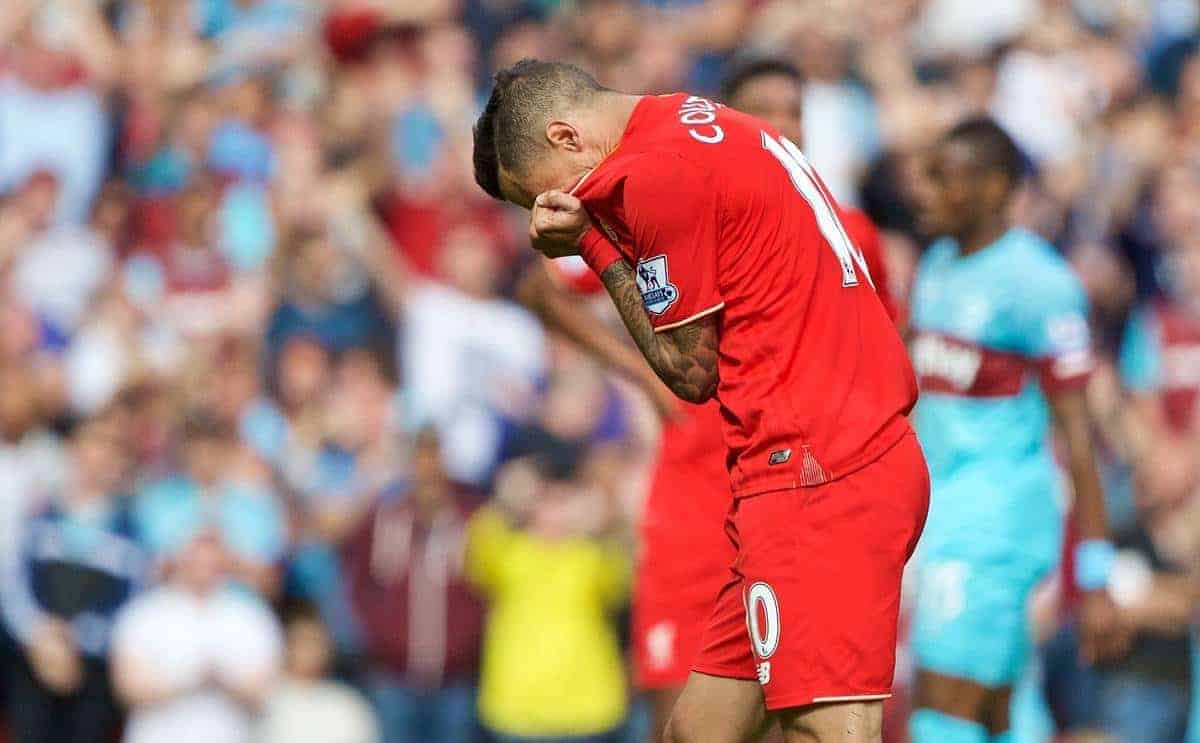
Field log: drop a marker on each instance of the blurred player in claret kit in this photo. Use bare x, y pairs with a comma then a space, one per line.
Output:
1001, 349
685, 553
724, 254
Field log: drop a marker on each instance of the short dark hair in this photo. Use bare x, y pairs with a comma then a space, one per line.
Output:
523, 96
203, 425
994, 148
293, 610
756, 67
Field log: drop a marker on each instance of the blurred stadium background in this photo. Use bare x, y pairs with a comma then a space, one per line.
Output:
258, 322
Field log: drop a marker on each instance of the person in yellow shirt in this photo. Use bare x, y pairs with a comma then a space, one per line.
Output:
543, 555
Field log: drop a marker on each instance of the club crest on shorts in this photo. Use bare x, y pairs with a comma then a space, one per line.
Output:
660, 645
658, 293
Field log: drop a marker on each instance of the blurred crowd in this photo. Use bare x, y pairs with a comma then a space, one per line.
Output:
282, 457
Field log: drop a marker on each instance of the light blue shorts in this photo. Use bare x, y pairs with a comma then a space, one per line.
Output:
972, 617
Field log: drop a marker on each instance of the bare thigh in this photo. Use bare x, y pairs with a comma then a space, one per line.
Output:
662, 701
712, 709
838, 722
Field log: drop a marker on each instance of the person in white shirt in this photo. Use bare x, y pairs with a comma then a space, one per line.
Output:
469, 358
309, 707
195, 658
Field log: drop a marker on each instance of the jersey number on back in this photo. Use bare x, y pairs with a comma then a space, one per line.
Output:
805, 180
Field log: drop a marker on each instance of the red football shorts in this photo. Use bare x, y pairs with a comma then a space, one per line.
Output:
669, 623
683, 565
816, 583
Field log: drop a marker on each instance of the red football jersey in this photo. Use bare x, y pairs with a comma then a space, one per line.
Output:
865, 236
718, 213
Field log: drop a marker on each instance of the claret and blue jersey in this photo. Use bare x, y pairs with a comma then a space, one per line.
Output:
996, 331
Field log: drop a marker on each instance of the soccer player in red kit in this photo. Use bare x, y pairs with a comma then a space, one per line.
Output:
725, 257
684, 552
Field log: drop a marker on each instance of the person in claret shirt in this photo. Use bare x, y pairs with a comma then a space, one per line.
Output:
727, 261
1002, 349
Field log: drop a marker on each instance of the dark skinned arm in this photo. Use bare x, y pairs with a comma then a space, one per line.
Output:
1074, 424
1103, 635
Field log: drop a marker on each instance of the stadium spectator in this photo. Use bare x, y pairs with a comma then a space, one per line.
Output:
544, 554
308, 706
211, 490
468, 354
327, 296
421, 620
1145, 696
79, 560
195, 658
59, 272
352, 452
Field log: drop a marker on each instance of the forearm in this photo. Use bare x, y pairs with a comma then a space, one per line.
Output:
362, 233
686, 361
1090, 515
1074, 421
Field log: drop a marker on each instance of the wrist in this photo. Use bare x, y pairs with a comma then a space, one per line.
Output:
1094, 561
597, 251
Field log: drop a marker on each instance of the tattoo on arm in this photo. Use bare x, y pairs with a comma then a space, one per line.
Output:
685, 358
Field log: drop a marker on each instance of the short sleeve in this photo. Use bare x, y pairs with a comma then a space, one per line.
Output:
672, 213
1139, 363
1056, 330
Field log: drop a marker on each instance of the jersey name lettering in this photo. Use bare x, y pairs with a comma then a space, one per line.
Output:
700, 113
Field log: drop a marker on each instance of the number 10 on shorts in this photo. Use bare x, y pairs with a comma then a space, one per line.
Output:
762, 622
